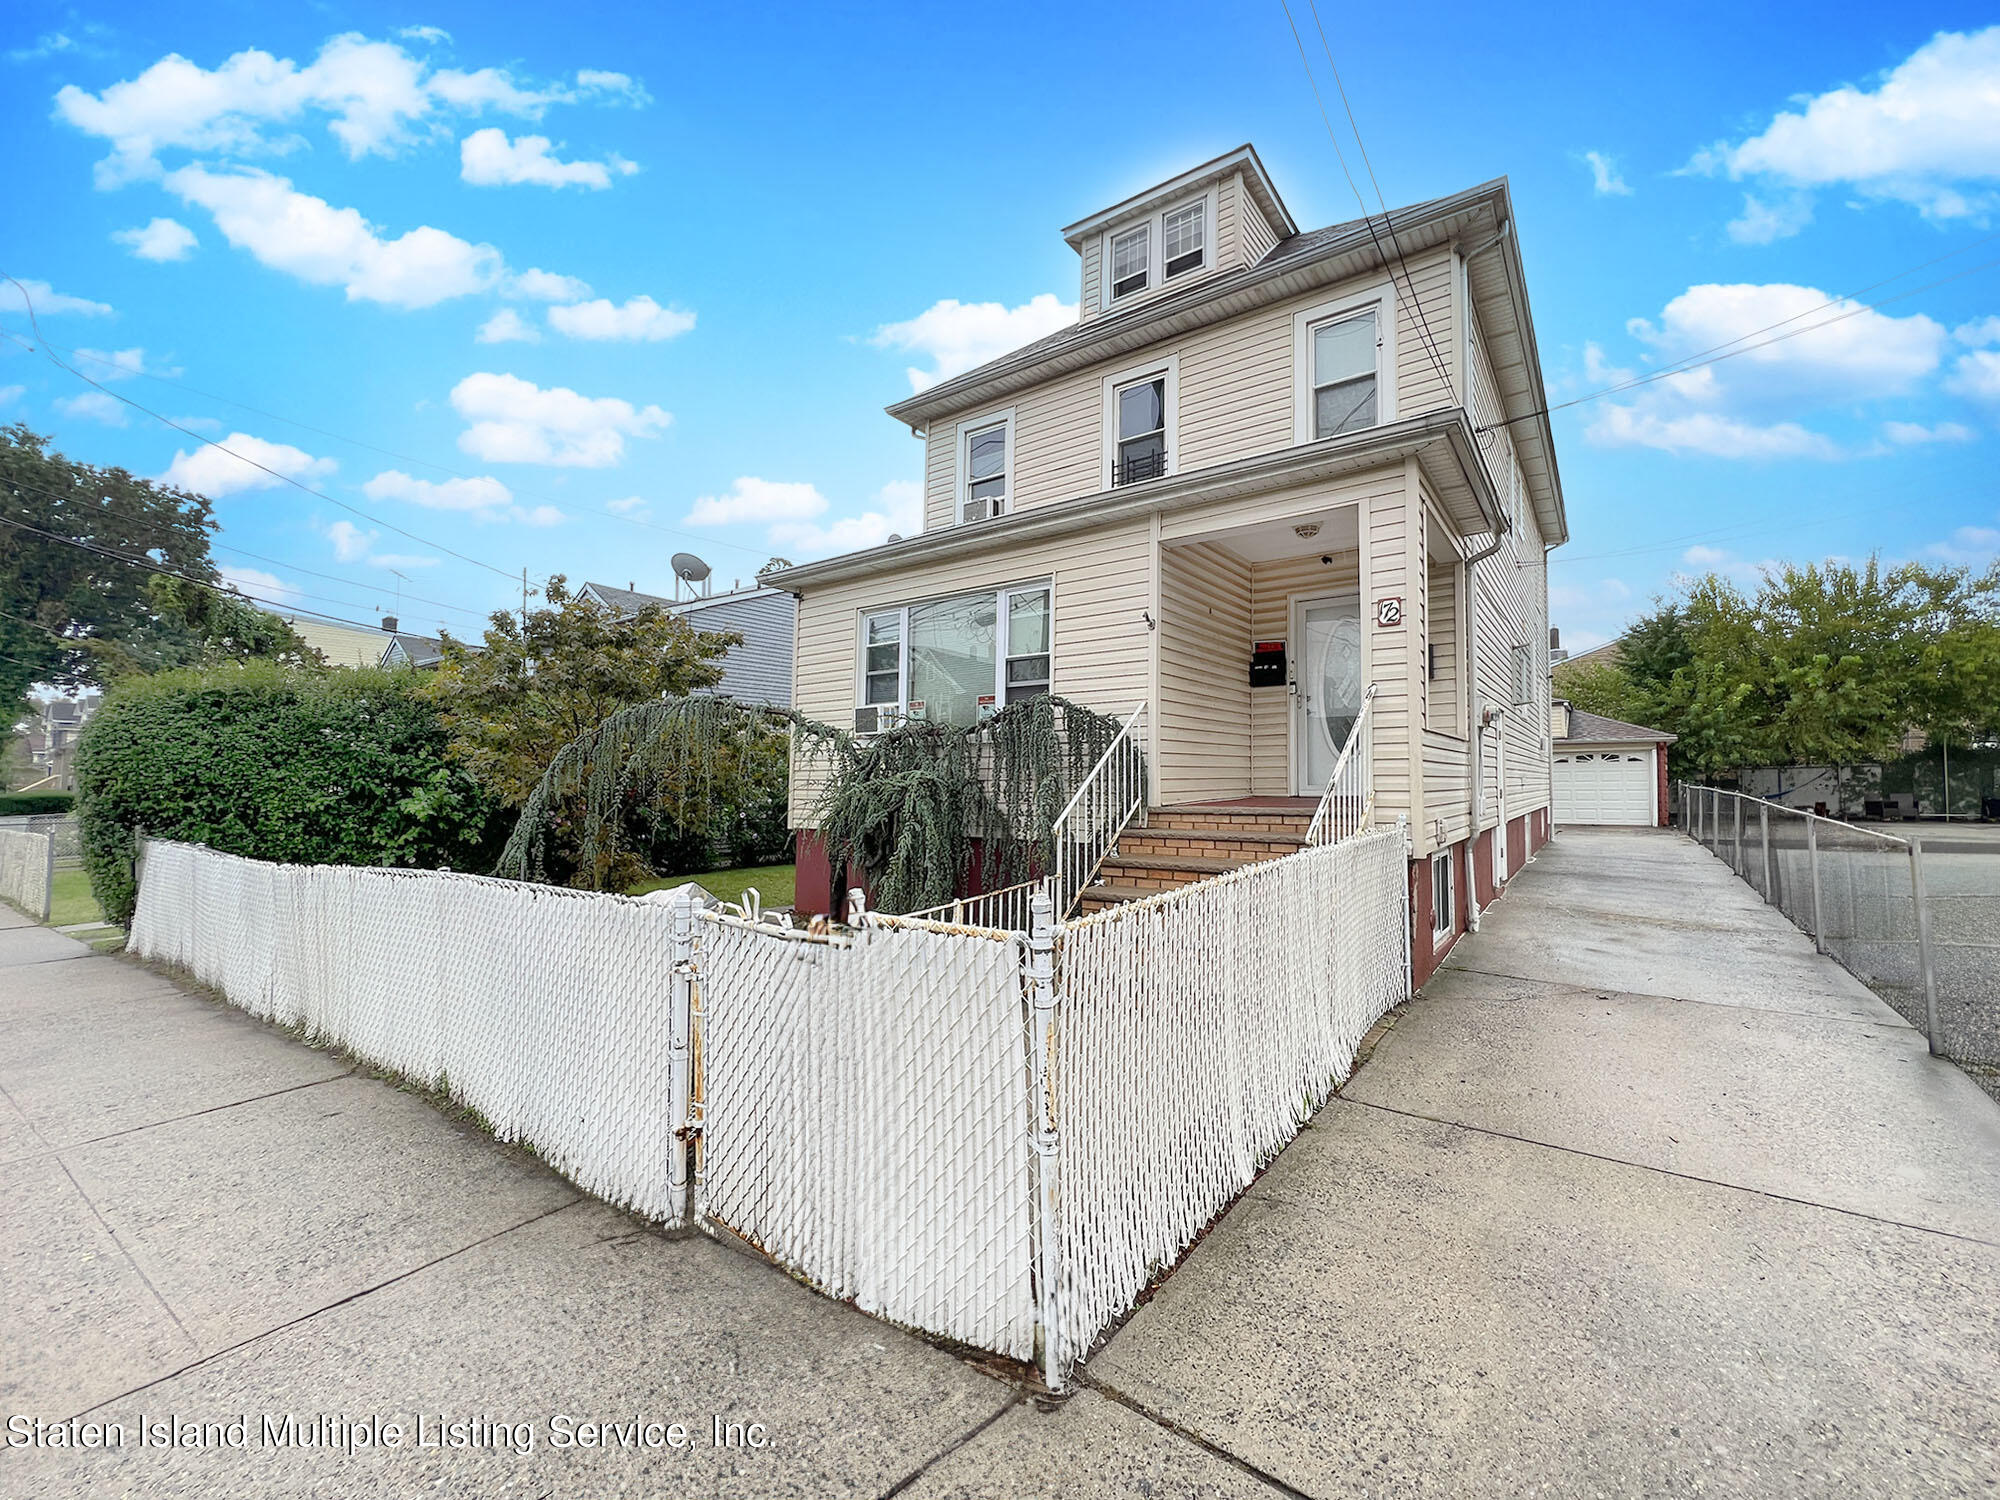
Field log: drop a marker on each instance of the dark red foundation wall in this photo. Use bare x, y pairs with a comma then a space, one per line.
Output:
1427, 951
813, 876
1482, 865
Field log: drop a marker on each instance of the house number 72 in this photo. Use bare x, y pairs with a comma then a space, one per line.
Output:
1389, 612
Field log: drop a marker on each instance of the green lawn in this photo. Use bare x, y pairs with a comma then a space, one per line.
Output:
773, 883
72, 902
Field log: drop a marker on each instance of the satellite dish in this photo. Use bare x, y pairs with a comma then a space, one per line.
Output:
690, 570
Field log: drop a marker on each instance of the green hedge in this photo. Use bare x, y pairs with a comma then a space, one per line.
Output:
35, 804
340, 767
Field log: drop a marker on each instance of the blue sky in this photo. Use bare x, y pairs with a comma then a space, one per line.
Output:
574, 290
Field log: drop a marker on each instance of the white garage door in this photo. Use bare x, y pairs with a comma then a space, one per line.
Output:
1605, 784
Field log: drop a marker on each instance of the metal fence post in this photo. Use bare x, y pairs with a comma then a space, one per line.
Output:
1040, 975
1812, 865
1736, 863
680, 1088
1924, 960
1764, 838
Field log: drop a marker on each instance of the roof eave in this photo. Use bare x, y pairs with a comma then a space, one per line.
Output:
1268, 281
1421, 436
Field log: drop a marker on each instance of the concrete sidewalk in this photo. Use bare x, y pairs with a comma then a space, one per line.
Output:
1641, 1197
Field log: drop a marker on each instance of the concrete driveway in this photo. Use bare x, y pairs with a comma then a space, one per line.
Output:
1641, 1197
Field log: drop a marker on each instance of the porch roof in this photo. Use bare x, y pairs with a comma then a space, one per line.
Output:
1442, 442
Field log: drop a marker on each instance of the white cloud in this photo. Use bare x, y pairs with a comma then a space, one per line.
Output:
162, 239
483, 494
488, 159
898, 510
507, 327
1763, 223
46, 301
210, 471
1976, 375
640, 319
959, 336
631, 505
1705, 557
1707, 433
758, 500
1907, 434
95, 406
45, 46
515, 421
373, 95
113, 364
1979, 333
308, 238
1746, 405
619, 88
1968, 547
1928, 133
352, 544
540, 515
11, 393
1604, 175
257, 584
538, 285
433, 34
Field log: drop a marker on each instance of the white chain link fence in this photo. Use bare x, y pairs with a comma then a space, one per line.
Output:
865, 1103
1196, 1031
27, 871
62, 827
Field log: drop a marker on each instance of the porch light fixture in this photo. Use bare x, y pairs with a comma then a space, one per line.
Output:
1307, 531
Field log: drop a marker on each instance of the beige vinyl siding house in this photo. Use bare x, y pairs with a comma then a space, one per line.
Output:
1312, 441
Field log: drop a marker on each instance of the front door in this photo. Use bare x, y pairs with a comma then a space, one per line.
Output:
1327, 684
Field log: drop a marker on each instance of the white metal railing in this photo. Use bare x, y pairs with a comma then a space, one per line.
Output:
1104, 805
1349, 800
1004, 910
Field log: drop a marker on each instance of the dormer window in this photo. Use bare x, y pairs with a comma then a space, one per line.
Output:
1186, 234
1130, 261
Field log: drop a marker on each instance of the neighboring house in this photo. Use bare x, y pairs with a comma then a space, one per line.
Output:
1610, 654
1608, 771
760, 670
345, 645
1331, 443
51, 735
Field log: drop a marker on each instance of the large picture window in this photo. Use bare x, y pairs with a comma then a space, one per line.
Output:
955, 660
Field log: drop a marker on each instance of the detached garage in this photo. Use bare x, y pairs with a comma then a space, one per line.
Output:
1607, 771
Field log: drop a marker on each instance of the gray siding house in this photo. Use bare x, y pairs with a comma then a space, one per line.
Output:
758, 671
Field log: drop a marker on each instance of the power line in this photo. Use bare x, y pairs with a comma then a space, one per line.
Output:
49, 355
1367, 219
1697, 362
407, 458
159, 528
1388, 220
152, 567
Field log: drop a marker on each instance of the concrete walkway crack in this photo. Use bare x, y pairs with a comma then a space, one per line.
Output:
126, 1251
1169, 1425
193, 1114
307, 1317
1012, 1401
1640, 1166
1892, 1022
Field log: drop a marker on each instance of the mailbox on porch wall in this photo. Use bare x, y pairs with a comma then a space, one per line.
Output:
1267, 664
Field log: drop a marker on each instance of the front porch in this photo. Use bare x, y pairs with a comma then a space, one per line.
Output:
1195, 841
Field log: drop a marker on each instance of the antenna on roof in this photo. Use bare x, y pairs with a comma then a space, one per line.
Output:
690, 570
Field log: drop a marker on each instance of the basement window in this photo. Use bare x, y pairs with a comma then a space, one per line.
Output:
1444, 891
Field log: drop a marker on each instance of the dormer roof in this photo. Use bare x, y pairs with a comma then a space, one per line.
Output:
1243, 159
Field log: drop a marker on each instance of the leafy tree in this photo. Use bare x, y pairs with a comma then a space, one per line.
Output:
257, 759
533, 688
77, 611
1600, 687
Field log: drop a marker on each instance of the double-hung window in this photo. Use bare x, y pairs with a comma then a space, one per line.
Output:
1344, 374
1140, 412
1131, 258
1184, 235
985, 473
956, 660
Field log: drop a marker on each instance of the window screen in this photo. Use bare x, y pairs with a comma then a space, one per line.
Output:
1343, 375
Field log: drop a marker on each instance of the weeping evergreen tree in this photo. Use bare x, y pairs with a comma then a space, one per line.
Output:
905, 808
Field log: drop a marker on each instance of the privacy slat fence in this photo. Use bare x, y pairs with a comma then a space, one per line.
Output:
27, 870
995, 1137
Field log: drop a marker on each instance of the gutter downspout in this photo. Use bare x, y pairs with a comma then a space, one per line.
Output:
1478, 738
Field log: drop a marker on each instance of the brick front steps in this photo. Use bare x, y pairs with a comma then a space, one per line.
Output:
1181, 845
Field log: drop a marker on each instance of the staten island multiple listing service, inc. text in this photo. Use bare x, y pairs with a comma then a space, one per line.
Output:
424, 1432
